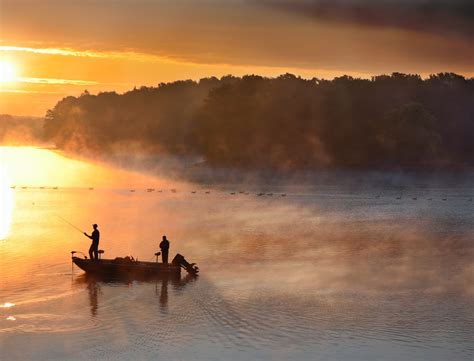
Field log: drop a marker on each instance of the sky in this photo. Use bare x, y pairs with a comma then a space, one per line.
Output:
50, 49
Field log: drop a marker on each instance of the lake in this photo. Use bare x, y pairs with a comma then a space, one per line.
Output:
329, 270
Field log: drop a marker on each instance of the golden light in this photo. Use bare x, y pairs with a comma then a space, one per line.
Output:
6, 203
7, 71
7, 305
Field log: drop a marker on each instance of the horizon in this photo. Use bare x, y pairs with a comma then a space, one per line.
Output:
197, 80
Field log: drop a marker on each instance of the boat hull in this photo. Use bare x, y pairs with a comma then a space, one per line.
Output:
125, 268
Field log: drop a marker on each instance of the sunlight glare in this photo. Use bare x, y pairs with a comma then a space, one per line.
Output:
6, 203
7, 71
7, 305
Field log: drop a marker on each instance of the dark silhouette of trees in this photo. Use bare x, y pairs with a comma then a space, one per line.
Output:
286, 122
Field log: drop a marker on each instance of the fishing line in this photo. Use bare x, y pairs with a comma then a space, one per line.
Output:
72, 225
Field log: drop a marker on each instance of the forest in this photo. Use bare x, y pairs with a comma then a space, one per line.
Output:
285, 123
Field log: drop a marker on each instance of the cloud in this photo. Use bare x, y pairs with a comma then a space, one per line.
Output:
200, 39
56, 81
21, 91
52, 51
126, 55
443, 17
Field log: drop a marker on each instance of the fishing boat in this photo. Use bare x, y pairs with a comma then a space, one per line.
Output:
131, 268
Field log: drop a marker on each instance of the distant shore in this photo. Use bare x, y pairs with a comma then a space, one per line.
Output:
279, 126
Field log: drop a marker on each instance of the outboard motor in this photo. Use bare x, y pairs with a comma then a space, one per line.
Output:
179, 260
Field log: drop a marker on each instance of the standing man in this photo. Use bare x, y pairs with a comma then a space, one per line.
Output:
164, 246
94, 248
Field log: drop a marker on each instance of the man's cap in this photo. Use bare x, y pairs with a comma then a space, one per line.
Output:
95, 225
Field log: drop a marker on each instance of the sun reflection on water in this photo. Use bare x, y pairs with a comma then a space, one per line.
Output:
6, 203
310, 270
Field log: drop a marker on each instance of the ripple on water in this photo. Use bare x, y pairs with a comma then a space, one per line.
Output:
322, 273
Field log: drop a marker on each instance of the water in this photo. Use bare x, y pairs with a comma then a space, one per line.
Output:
327, 272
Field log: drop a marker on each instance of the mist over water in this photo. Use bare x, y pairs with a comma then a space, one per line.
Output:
344, 267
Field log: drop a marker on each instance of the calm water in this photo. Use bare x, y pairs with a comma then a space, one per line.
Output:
327, 272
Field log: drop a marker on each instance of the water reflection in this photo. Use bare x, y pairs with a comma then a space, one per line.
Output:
93, 289
94, 285
6, 201
320, 270
163, 293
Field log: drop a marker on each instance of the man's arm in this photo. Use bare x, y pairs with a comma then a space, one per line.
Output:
85, 234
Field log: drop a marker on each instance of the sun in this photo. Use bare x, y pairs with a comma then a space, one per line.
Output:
7, 71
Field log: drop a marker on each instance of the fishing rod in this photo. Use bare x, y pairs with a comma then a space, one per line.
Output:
72, 225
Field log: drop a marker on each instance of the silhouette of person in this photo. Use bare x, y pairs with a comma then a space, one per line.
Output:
94, 248
164, 292
93, 288
164, 246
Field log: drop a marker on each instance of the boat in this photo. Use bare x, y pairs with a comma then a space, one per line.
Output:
132, 268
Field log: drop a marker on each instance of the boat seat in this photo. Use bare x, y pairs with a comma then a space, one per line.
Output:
101, 252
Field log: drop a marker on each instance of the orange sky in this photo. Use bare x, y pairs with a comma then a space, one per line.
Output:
60, 48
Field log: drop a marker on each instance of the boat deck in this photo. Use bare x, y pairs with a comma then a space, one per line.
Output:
119, 267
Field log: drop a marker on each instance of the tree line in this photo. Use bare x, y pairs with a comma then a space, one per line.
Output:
398, 120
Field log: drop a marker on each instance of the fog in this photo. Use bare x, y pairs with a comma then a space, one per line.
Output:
287, 123
293, 268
